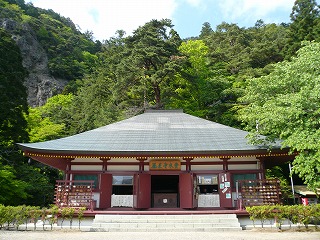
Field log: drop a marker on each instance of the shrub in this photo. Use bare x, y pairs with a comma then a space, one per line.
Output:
2, 215
80, 214
34, 214
297, 214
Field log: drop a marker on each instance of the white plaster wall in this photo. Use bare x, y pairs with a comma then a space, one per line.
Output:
206, 167
96, 197
86, 160
252, 166
86, 168
207, 160
123, 160
146, 167
243, 159
123, 168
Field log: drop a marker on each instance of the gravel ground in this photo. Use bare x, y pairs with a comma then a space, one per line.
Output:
255, 234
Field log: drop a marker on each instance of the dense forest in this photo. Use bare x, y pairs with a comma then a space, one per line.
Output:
264, 79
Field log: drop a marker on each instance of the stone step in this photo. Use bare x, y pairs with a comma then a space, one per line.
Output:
158, 223
204, 220
196, 216
162, 225
221, 229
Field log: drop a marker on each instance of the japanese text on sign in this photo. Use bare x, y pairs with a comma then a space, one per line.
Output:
165, 165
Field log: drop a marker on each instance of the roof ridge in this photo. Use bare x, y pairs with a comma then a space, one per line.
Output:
163, 110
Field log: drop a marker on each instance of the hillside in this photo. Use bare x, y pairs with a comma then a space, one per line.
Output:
54, 51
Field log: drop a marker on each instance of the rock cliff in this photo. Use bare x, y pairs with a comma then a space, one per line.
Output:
40, 84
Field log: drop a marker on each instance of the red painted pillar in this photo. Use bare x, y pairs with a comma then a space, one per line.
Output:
262, 167
105, 163
188, 190
188, 163
225, 163
141, 163
68, 169
142, 190
225, 191
225, 186
105, 190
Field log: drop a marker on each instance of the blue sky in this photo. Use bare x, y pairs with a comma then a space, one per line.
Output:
105, 17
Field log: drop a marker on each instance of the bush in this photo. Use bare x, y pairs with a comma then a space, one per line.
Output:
2, 215
13, 217
297, 214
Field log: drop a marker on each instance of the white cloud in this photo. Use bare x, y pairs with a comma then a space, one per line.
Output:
252, 9
105, 17
194, 3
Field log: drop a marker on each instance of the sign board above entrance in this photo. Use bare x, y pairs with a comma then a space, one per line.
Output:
165, 165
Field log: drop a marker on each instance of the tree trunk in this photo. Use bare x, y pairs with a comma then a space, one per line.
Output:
157, 96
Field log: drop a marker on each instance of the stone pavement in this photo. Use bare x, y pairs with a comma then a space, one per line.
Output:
256, 234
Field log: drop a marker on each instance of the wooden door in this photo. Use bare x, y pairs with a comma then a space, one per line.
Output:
105, 190
142, 190
225, 190
188, 190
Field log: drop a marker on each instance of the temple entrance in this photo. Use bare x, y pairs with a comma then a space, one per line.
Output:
164, 190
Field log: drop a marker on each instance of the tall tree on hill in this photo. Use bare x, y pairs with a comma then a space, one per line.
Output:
206, 30
305, 23
150, 60
13, 95
197, 90
13, 107
266, 44
228, 49
286, 104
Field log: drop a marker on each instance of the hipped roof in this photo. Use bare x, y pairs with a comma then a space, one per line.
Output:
153, 133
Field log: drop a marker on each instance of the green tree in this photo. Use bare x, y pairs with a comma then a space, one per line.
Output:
229, 45
112, 55
285, 105
266, 44
13, 126
196, 89
197, 52
206, 30
51, 120
40, 181
12, 190
94, 105
18, 178
150, 60
304, 25
42, 128
13, 96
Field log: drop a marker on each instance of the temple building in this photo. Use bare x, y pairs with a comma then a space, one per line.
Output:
161, 159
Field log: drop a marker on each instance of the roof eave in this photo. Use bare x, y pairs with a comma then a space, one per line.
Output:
131, 154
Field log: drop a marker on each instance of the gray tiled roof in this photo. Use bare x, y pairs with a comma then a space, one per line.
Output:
153, 131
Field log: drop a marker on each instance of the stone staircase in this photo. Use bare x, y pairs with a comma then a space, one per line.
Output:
166, 223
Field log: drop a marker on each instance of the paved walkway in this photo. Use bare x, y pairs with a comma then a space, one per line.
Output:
76, 235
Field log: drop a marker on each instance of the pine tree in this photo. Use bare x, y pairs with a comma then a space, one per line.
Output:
151, 59
206, 30
304, 24
13, 96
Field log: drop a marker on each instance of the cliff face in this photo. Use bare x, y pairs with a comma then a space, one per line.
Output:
40, 84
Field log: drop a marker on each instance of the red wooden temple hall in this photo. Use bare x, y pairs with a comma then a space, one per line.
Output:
159, 159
